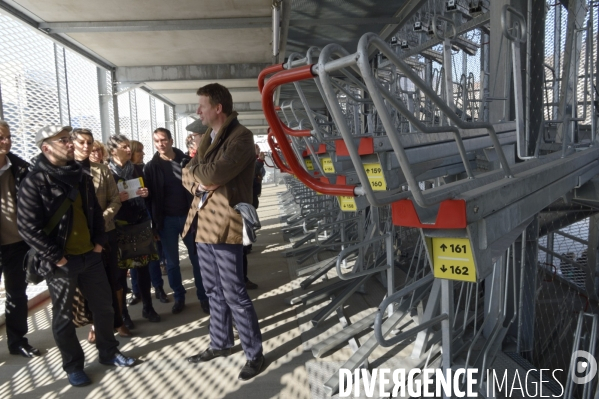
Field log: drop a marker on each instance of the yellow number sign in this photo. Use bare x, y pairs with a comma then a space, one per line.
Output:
347, 204
309, 164
374, 171
327, 165
453, 259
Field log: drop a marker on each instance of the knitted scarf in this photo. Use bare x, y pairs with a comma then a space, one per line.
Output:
70, 174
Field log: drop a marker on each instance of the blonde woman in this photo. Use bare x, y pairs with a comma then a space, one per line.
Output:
98, 153
137, 153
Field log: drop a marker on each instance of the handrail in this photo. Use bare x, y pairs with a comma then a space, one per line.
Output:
280, 78
324, 67
296, 133
291, 62
268, 71
372, 39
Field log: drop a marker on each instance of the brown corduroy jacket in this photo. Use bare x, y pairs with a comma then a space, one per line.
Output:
106, 192
228, 161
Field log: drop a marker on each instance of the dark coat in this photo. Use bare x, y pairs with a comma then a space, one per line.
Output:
19, 168
259, 172
154, 180
229, 162
133, 212
39, 197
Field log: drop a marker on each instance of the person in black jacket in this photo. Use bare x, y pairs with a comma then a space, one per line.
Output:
133, 211
170, 203
70, 255
12, 248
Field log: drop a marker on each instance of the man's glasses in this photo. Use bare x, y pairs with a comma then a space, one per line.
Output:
64, 140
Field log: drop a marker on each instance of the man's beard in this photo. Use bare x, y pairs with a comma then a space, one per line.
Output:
65, 157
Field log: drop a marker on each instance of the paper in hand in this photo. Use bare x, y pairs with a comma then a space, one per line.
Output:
130, 186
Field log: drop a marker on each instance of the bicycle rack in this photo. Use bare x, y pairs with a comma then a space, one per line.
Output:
379, 152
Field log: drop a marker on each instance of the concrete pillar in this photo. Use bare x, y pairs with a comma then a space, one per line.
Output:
104, 100
115, 104
62, 87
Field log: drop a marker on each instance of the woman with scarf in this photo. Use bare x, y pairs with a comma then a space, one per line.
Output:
133, 211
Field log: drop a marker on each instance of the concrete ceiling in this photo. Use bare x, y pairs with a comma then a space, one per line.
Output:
124, 10
173, 47
180, 47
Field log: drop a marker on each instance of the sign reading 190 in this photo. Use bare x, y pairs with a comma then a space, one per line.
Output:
457, 249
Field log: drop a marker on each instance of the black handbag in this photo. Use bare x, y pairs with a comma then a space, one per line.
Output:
31, 262
135, 240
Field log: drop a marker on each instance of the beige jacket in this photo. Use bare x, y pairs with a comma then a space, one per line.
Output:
106, 192
228, 161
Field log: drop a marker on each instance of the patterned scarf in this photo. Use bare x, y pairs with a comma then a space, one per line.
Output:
126, 172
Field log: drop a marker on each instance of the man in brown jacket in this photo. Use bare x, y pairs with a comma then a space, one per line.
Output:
220, 176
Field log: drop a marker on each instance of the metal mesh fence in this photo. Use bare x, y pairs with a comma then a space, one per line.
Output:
28, 79
140, 114
569, 65
84, 105
124, 107
144, 128
565, 288
110, 99
170, 118
42, 83
160, 114
182, 132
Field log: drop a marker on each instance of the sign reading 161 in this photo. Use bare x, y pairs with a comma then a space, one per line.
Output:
452, 259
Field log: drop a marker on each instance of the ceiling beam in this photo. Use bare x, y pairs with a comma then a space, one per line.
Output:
285, 19
193, 90
158, 96
202, 24
63, 40
237, 106
253, 122
165, 73
155, 25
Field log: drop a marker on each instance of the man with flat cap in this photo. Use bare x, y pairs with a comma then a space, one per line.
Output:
57, 196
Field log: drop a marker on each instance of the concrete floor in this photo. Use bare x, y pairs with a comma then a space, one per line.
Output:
161, 348
162, 371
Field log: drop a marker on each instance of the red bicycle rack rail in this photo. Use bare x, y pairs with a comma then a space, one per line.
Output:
268, 71
278, 79
451, 215
275, 154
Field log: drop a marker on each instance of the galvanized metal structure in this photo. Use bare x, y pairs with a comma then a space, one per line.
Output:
458, 125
